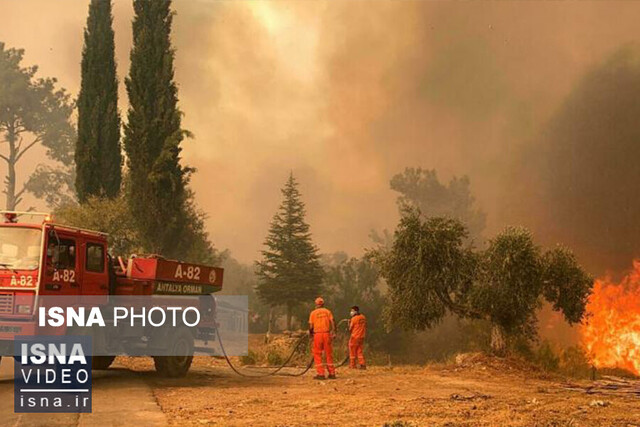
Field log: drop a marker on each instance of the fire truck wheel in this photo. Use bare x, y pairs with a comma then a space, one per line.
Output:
181, 344
100, 363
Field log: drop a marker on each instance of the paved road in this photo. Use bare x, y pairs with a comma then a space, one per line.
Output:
120, 398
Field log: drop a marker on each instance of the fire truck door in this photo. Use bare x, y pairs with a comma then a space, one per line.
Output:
62, 265
95, 280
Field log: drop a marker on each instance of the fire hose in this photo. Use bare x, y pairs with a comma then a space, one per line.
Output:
277, 369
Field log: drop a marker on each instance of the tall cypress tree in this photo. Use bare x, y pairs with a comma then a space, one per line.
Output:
98, 154
290, 272
157, 187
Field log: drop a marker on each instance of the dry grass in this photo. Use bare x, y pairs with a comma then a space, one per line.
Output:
468, 390
477, 391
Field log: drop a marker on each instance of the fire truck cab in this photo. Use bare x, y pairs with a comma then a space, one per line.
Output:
39, 258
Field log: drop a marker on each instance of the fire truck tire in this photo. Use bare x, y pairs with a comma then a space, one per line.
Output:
100, 363
181, 343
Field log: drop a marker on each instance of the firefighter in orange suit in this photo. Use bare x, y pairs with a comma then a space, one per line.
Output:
322, 331
358, 329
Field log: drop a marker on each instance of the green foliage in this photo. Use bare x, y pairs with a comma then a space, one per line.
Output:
289, 273
546, 358
34, 112
98, 154
515, 275
157, 189
420, 188
157, 213
520, 345
46, 181
566, 285
428, 271
509, 281
249, 359
382, 239
274, 358
571, 361
111, 216
193, 243
574, 362
353, 281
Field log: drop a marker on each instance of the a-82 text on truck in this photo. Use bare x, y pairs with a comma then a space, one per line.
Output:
40, 258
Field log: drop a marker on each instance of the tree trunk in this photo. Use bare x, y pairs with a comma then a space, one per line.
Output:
289, 317
267, 338
10, 179
498, 341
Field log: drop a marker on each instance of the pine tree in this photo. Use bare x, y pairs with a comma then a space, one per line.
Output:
98, 155
33, 112
290, 272
157, 183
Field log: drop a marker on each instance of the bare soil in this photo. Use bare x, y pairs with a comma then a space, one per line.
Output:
475, 391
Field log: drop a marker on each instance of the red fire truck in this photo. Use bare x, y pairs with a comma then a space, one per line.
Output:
40, 258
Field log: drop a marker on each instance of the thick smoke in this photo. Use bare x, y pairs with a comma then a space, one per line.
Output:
588, 164
348, 93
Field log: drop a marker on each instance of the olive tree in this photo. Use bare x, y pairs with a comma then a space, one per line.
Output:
508, 285
516, 276
430, 272
565, 284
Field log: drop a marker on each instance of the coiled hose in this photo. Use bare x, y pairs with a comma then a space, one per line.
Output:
278, 368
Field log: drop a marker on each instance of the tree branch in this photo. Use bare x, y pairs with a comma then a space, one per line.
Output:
18, 128
19, 144
20, 193
5, 158
457, 308
34, 142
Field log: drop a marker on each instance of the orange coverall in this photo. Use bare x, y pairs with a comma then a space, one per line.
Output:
358, 328
320, 320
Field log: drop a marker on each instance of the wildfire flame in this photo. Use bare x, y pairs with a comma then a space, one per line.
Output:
611, 329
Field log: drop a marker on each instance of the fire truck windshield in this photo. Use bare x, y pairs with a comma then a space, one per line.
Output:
19, 248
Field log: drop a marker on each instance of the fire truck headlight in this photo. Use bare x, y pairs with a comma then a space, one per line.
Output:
23, 309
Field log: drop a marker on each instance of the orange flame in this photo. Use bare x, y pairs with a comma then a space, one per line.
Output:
611, 329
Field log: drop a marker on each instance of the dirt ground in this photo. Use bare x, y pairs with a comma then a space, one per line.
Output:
485, 392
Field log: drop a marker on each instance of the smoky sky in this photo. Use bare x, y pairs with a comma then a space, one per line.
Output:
587, 164
345, 94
